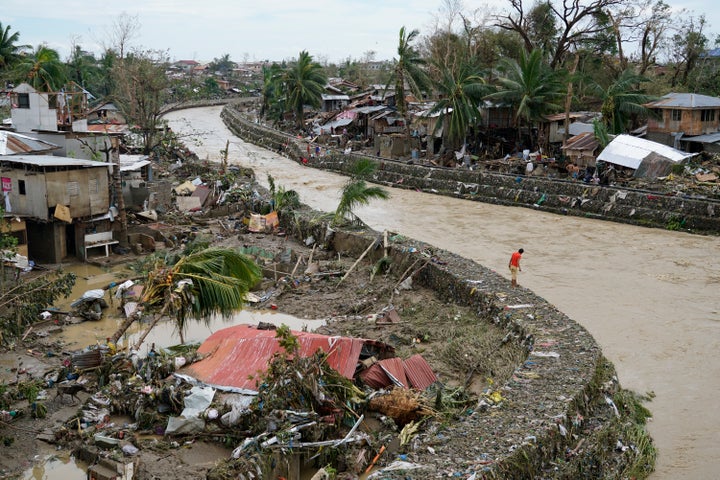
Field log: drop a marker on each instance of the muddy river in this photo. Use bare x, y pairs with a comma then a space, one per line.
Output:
650, 297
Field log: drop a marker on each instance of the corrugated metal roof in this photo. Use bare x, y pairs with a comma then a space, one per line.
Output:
583, 141
685, 100
51, 161
334, 125
628, 151
335, 97
378, 375
372, 109
12, 143
115, 128
418, 372
707, 138
236, 353
132, 162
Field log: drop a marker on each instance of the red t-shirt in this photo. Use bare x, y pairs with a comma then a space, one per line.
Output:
515, 259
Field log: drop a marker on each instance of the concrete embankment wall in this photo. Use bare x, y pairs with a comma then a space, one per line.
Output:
559, 382
566, 377
639, 207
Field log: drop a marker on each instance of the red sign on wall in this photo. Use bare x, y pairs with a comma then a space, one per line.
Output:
6, 184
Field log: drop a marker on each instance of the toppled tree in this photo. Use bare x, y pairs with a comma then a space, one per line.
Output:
199, 285
22, 303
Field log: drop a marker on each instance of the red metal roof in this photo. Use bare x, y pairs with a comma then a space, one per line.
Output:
376, 376
419, 373
236, 353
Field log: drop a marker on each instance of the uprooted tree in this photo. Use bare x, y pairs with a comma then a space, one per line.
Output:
197, 286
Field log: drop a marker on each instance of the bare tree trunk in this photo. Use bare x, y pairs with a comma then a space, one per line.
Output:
122, 329
117, 187
147, 330
568, 100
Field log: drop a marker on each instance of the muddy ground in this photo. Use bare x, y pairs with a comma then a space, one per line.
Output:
461, 350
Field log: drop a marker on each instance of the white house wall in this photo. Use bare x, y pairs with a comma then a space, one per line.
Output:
38, 116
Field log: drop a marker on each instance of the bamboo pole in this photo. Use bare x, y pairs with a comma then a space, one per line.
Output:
372, 244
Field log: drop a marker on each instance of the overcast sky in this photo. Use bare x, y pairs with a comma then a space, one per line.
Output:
330, 30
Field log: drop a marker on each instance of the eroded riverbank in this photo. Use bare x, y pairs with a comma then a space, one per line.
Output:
648, 296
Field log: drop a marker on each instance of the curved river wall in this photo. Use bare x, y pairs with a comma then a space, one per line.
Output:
561, 396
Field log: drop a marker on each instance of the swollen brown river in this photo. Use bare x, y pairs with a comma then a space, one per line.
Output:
650, 297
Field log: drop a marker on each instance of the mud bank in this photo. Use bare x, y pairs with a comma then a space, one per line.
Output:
637, 207
562, 413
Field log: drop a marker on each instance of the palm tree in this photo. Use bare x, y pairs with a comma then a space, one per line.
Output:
530, 86
356, 192
461, 92
9, 52
622, 100
408, 70
200, 285
304, 84
43, 70
271, 90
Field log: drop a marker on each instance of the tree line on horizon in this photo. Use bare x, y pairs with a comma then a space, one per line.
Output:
550, 56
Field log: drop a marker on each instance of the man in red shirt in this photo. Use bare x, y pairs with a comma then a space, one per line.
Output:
514, 266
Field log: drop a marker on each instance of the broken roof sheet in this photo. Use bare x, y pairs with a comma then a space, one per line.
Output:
583, 141
12, 143
628, 151
129, 163
236, 353
51, 161
418, 372
685, 100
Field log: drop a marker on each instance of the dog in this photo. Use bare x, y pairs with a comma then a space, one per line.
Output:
71, 389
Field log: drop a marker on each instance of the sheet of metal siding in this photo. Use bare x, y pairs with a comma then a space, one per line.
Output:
418, 372
395, 367
236, 353
375, 376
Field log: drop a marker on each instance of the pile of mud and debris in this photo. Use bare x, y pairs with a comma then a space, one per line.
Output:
402, 381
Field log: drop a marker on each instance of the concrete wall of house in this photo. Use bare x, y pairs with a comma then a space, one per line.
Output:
54, 138
690, 122
624, 205
38, 117
660, 137
82, 146
47, 242
85, 191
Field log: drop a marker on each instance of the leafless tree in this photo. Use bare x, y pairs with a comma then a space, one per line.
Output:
644, 23
123, 31
576, 20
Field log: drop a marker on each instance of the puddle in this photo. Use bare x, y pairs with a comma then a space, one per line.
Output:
60, 466
91, 277
165, 334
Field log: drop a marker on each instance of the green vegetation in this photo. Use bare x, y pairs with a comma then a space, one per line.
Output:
203, 283
356, 192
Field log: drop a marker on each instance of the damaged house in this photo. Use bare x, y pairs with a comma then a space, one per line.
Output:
644, 158
686, 121
65, 203
235, 355
65, 119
